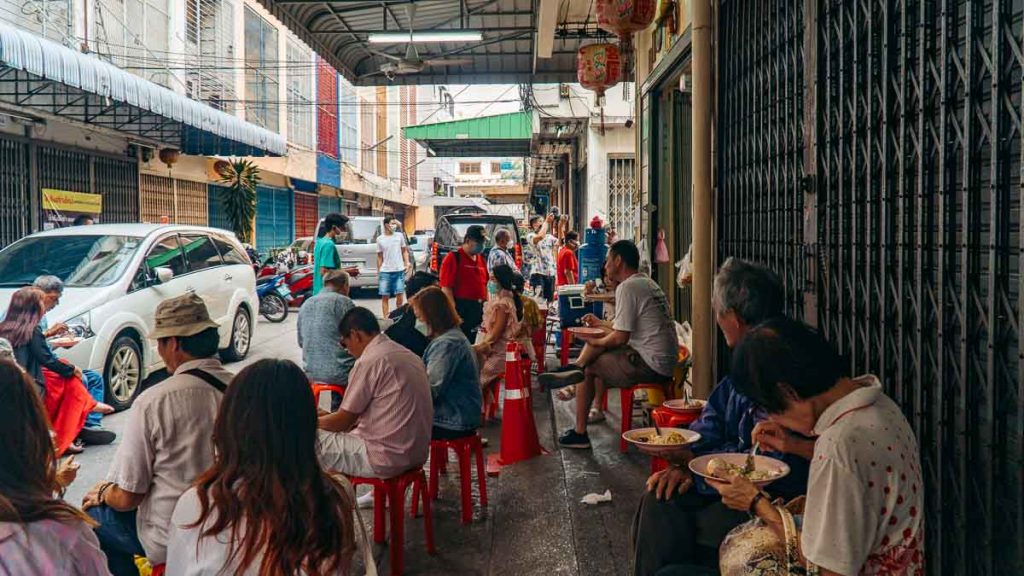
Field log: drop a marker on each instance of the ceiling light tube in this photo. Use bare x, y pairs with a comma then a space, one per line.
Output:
429, 36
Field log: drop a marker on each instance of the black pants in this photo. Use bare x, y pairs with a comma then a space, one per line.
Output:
685, 530
546, 283
446, 434
472, 314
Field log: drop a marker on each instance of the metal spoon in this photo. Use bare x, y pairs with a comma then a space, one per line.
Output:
748, 466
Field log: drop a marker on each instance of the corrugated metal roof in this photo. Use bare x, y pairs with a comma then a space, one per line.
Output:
498, 135
205, 130
338, 31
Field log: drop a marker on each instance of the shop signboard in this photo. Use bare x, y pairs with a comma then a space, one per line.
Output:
61, 207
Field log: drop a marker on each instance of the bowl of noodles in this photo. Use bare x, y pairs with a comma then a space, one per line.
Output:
670, 439
727, 466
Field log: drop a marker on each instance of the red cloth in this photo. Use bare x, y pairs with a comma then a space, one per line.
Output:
567, 262
469, 281
67, 404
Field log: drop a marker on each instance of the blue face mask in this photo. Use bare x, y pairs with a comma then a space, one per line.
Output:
422, 327
476, 248
493, 287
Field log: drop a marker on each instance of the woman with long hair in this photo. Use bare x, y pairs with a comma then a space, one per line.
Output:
451, 366
503, 315
65, 397
40, 534
266, 506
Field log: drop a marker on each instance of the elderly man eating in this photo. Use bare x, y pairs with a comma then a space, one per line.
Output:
383, 426
681, 521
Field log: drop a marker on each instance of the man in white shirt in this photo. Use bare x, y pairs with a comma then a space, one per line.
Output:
392, 264
543, 244
638, 347
166, 442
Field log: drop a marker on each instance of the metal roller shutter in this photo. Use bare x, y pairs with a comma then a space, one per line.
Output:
275, 218
306, 214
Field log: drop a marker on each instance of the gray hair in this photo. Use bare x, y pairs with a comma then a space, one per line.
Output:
752, 291
49, 284
502, 235
6, 350
338, 278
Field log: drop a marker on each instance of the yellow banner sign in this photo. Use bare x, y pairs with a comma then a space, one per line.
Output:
64, 201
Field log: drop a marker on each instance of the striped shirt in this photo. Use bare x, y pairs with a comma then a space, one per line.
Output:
388, 389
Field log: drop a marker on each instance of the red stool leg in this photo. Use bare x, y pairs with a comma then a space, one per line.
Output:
436, 451
428, 523
414, 502
481, 474
397, 543
604, 401
465, 481
626, 400
566, 335
379, 507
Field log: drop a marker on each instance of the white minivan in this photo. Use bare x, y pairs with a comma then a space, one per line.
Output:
115, 275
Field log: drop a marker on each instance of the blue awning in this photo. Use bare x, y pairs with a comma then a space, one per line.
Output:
37, 73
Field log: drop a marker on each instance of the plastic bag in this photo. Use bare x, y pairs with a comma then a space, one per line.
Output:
684, 333
685, 276
660, 249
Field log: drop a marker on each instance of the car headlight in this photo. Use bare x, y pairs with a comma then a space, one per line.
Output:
81, 325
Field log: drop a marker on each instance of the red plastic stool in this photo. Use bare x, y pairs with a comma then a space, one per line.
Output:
495, 392
669, 418
566, 342
626, 403
320, 387
389, 494
464, 449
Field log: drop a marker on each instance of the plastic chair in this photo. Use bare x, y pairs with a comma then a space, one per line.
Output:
465, 449
389, 494
320, 387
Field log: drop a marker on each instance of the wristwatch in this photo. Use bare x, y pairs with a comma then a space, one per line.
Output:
753, 503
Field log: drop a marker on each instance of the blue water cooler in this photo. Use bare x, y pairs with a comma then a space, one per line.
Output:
592, 254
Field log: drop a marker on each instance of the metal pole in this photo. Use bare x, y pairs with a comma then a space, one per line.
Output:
703, 201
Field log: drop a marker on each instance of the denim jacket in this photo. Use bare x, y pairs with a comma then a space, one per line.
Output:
725, 425
454, 381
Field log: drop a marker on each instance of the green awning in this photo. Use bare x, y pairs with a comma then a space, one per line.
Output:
503, 135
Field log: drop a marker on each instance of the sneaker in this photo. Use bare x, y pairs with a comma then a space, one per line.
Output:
96, 436
555, 380
365, 501
574, 440
76, 447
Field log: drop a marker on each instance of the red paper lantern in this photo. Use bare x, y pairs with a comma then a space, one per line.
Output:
599, 67
624, 17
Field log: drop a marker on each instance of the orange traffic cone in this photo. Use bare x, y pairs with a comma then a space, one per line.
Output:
518, 430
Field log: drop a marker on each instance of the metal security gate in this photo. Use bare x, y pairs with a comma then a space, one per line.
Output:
275, 218
14, 196
621, 185
115, 179
887, 193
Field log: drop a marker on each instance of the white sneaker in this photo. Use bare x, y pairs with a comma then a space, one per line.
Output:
365, 501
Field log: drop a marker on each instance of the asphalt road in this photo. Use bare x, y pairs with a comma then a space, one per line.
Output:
270, 341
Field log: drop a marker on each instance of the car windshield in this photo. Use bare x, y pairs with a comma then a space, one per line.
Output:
80, 261
360, 232
490, 228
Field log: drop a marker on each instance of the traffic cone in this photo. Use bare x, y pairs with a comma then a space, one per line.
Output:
518, 430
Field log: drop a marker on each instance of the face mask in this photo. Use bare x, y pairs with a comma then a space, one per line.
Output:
476, 248
493, 287
422, 327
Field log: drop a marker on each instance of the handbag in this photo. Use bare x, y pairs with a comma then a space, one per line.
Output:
363, 542
756, 549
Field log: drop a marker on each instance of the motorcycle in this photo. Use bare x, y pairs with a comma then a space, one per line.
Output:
300, 284
275, 297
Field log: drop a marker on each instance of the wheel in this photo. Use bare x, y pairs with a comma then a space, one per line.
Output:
241, 337
122, 375
273, 307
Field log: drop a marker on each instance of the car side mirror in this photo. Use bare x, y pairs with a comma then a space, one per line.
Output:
163, 274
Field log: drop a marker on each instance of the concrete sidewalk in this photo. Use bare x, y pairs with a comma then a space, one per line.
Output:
535, 523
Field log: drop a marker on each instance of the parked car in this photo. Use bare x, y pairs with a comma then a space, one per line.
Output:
450, 230
419, 244
115, 275
357, 248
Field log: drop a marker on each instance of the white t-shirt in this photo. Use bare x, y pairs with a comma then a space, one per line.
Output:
865, 498
641, 309
165, 446
390, 245
49, 547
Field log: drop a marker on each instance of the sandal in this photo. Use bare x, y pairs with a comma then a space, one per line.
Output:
595, 416
566, 394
